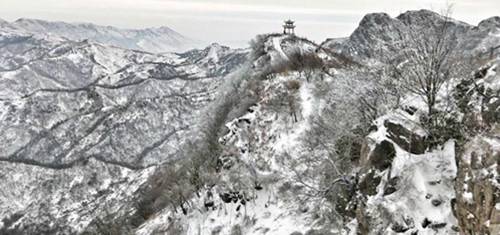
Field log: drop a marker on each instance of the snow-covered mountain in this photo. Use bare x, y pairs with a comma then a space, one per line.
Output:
156, 40
287, 137
92, 119
380, 36
300, 160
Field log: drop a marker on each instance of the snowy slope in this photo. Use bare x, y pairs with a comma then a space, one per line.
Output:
262, 152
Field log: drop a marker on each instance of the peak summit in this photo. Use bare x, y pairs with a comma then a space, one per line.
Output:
375, 19
379, 33
490, 23
427, 18
423, 13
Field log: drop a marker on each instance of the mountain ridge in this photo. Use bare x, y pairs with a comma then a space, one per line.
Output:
151, 39
378, 33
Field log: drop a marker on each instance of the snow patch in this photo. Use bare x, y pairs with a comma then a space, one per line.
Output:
425, 188
278, 48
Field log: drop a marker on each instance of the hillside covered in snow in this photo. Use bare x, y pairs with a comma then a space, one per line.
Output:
392, 130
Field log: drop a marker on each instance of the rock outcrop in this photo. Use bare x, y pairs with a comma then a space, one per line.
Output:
477, 204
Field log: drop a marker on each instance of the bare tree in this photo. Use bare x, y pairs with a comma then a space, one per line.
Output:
305, 62
286, 99
426, 61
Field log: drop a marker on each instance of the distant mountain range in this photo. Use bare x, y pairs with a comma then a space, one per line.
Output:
155, 40
73, 91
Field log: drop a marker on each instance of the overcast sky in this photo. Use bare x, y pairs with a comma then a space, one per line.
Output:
234, 22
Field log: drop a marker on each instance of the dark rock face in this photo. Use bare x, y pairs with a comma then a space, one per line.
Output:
226, 197
381, 157
433, 225
426, 223
234, 197
344, 198
437, 226
436, 202
398, 228
391, 186
492, 113
368, 184
318, 232
405, 138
